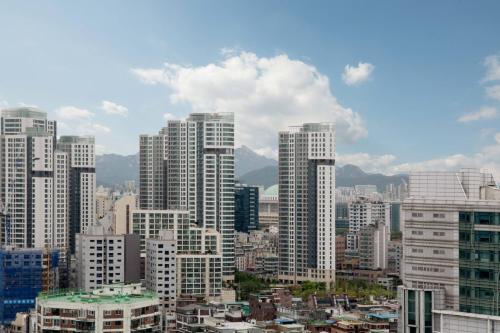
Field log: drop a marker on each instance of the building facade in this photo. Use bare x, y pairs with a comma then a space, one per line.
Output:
450, 241
200, 175
161, 268
152, 156
113, 308
246, 208
373, 246
307, 203
199, 252
104, 258
82, 183
23, 274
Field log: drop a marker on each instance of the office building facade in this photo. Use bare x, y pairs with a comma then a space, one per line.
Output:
450, 241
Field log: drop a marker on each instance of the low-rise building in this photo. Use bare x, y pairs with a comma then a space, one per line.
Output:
114, 308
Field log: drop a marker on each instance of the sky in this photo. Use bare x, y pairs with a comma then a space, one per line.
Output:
411, 85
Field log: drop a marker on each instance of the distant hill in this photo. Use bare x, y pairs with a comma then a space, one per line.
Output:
114, 169
246, 160
266, 177
347, 175
250, 168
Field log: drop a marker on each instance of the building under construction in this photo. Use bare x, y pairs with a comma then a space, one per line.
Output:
24, 273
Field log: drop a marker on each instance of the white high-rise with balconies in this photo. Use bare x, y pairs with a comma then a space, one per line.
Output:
307, 203
38, 187
82, 183
200, 175
152, 150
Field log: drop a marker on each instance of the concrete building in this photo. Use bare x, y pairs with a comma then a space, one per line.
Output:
122, 214
104, 258
161, 269
450, 240
340, 246
82, 183
114, 308
199, 253
246, 208
104, 202
268, 209
307, 203
364, 211
200, 175
152, 155
373, 246
27, 177
394, 257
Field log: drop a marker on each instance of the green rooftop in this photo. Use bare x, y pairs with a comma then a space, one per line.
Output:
88, 297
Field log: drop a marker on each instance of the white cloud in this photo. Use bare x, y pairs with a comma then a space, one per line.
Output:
168, 116
354, 75
493, 92
486, 112
367, 162
114, 109
492, 64
266, 94
3, 104
487, 158
72, 112
100, 149
74, 120
28, 105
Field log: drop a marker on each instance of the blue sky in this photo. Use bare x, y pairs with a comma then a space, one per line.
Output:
429, 61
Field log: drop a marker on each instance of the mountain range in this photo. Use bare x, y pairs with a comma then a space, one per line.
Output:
250, 168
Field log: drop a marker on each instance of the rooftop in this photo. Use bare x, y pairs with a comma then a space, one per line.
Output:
110, 294
24, 112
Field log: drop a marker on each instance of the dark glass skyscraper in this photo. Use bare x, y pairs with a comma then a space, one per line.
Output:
246, 208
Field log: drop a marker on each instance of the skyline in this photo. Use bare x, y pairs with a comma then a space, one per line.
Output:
346, 62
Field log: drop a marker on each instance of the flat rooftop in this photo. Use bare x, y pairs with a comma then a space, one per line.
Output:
86, 297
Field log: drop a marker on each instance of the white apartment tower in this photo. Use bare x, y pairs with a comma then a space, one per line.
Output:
27, 178
307, 203
152, 150
82, 183
200, 175
161, 268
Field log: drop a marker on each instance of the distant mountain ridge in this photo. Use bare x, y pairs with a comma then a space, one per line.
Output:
347, 175
246, 160
250, 168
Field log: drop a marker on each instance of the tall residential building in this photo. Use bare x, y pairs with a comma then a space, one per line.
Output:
24, 273
27, 178
246, 208
113, 308
451, 247
199, 253
82, 183
161, 268
373, 246
104, 258
307, 203
200, 175
152, 156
